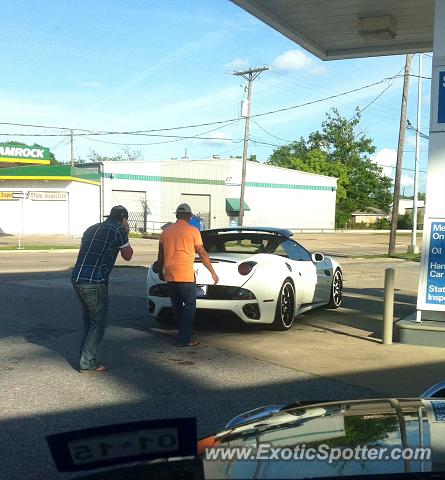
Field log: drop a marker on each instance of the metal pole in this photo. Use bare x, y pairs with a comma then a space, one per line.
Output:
21, 226
397, 180
388, 306
246, 144
72, 148
413, 248
250, 75
102, 207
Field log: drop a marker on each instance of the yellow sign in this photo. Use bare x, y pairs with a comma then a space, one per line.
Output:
6, 196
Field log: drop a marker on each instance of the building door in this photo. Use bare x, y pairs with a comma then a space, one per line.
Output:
135, 203
200, 205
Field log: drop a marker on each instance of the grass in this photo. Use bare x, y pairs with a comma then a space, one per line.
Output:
153, 236
413, 257
40, 247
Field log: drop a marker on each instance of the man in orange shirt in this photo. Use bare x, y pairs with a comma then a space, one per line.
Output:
176, 257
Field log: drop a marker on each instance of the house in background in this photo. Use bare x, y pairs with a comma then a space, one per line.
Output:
369, 217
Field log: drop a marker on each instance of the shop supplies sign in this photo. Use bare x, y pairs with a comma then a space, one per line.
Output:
433, 282
13, 195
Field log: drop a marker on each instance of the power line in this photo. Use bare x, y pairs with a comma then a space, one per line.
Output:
268, 133
378, 96
219, 122
414, 130
177, 137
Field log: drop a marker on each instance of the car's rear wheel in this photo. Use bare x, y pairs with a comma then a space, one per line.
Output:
336, 290
284, 315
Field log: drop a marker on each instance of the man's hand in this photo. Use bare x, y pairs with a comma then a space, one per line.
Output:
203, 255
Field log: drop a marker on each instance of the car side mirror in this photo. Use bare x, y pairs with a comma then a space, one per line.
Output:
317, 257
155, 267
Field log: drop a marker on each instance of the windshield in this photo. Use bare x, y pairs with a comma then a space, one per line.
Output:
252, 243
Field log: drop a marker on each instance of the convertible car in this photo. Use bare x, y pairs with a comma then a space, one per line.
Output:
265, 277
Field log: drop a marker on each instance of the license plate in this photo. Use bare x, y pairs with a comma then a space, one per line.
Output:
201, 291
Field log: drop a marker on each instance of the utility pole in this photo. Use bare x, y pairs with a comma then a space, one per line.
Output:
396, 196
250, 75
72, 148
413, 248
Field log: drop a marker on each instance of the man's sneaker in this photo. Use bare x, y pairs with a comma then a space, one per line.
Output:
99, 369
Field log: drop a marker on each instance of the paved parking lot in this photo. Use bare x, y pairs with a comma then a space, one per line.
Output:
327, 355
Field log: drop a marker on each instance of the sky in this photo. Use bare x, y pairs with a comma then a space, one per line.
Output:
138, 65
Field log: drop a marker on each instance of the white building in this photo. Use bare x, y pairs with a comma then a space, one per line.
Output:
77, 197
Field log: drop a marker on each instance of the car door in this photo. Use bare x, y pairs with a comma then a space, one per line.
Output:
304, 270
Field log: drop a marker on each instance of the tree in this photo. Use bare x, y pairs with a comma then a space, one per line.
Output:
126, 155
339, 150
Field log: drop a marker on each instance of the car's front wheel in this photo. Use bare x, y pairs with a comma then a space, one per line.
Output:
336, 290
284, 315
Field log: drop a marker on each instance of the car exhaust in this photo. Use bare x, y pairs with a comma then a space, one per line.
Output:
251, 311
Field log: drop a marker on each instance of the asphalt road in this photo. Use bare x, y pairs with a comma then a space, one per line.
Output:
149, 378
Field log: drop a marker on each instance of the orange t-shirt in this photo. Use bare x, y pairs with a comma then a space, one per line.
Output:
178, 243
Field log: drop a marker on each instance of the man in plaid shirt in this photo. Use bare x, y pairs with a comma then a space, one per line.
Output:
100, 246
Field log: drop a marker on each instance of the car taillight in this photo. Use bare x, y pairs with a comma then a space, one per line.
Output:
245, 268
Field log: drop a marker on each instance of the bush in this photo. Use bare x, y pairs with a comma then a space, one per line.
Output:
382, 224
404, 222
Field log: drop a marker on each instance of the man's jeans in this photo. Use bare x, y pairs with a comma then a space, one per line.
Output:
183, 297
94, 302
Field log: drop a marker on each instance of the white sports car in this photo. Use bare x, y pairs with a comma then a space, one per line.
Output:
265, 277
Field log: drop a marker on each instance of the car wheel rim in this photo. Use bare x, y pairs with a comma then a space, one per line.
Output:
337, 288
287, 305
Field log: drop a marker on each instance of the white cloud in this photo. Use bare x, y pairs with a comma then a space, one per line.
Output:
406, 181
387, 159
296, 60
92, 84
236, 64
217, 138
410, 140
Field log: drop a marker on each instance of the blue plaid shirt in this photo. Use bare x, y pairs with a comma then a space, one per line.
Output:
98, 251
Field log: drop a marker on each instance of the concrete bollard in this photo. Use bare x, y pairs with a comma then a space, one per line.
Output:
388, 306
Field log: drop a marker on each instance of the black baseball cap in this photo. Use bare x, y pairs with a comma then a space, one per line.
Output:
118, 212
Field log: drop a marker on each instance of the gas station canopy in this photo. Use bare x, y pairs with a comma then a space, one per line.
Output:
335, 29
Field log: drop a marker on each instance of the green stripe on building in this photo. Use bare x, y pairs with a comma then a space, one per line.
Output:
93, 175
208, 181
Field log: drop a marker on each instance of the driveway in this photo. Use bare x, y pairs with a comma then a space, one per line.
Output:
327, 355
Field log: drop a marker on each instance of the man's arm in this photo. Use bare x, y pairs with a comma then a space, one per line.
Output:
127, 252
204, 257
126, 249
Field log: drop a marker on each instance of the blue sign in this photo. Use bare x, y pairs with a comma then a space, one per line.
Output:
435, 283
441, 99
439, 410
